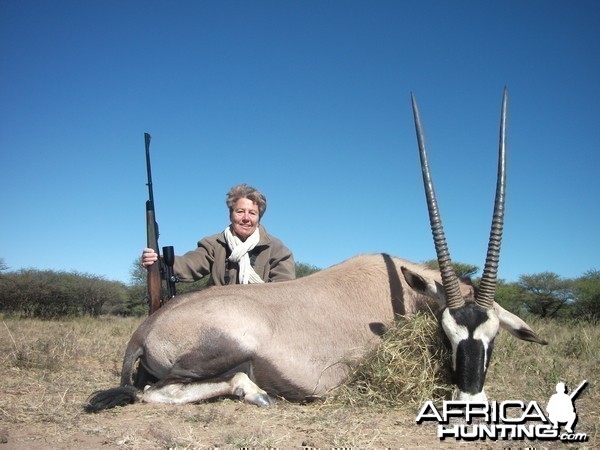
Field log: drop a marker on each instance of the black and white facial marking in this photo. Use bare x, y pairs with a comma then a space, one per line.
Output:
471, 330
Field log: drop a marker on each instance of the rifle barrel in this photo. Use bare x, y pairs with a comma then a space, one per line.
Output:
147, 139
576, 391
154, 281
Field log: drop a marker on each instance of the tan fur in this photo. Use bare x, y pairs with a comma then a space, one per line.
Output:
308, 329
294, 339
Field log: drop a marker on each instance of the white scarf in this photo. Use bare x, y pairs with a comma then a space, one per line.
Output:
239, 254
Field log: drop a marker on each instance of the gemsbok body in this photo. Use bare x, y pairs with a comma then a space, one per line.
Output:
298, 339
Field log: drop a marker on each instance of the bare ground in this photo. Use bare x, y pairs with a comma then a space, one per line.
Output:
225, 424
228, 424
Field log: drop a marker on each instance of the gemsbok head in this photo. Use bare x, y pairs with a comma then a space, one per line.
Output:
470, 324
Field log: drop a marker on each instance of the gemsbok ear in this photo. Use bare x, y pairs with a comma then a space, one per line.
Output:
425, 286
517, 326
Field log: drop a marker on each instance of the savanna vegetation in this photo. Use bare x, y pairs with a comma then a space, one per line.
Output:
51, 294
53, 357
49, 367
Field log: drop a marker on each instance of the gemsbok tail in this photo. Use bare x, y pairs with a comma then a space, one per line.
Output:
109, 398
122, 395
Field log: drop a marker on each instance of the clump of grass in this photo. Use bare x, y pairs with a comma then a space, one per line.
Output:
45, 352
410, 365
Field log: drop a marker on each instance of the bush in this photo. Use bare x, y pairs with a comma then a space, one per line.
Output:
48, 294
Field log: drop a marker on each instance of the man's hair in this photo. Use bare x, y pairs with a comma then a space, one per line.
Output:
245, 191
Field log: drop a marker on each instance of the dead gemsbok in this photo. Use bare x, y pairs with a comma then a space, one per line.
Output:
294, 339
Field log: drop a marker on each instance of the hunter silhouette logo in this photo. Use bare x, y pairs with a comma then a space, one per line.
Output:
510, 419
561, 406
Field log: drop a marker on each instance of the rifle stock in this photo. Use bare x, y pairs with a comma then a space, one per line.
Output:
154, 281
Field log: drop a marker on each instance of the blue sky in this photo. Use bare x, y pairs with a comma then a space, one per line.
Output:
310, 102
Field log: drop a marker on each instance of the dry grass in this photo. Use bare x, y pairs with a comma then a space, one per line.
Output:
409, 367
48, 368
520, 370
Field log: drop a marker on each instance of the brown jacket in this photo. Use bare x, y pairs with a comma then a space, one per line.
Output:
271, 260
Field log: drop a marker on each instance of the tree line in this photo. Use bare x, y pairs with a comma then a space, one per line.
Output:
51, 294
544, 294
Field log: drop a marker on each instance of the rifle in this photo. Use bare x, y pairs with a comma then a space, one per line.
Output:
574, 394
155, 270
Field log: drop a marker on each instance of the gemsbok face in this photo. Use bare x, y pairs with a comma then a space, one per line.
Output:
471, 324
